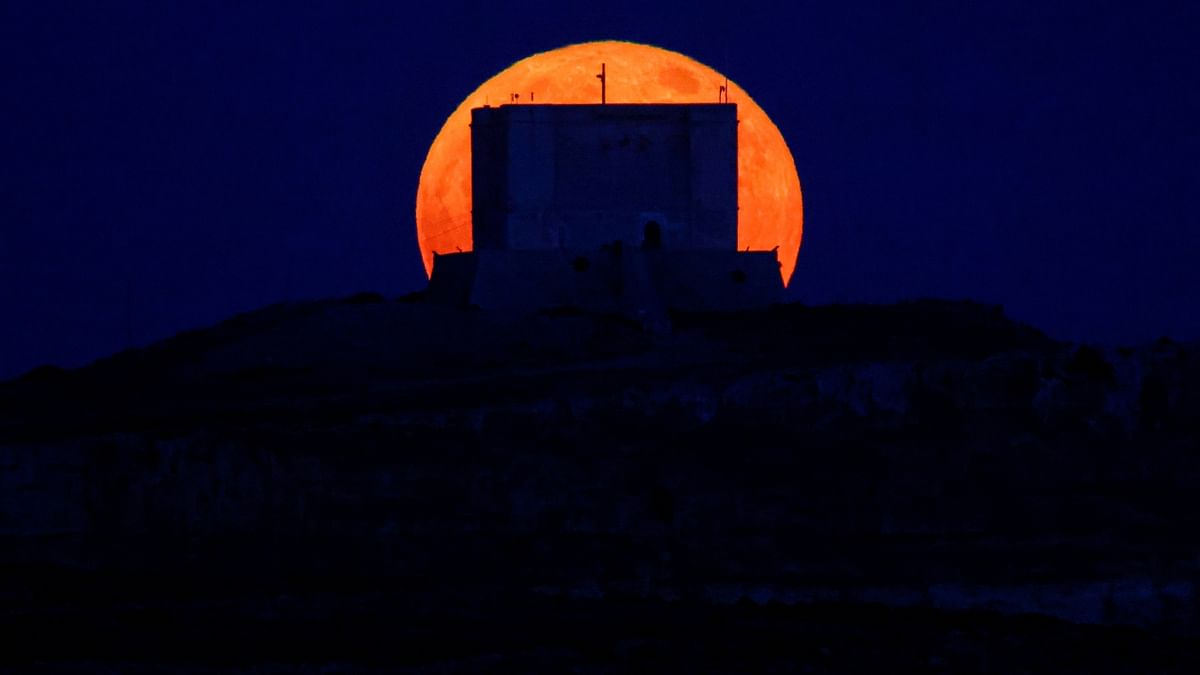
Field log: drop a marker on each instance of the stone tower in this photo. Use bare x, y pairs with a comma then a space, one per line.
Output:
629, 208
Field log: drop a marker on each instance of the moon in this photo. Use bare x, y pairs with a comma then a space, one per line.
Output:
770, 204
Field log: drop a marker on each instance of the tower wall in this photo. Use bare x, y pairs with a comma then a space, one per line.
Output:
580, 176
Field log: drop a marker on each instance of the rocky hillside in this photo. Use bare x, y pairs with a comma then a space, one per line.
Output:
363, 485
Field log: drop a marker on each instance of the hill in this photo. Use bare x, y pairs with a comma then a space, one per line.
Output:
388, 484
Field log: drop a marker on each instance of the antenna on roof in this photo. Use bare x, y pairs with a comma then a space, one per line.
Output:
603, 77
725, 89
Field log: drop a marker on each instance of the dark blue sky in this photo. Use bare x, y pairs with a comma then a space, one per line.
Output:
168, 164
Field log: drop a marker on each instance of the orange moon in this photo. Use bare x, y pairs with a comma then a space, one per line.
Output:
770, 206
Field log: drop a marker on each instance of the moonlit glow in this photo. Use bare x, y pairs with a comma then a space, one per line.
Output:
770, 206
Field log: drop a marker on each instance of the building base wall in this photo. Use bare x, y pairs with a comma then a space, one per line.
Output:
640, 283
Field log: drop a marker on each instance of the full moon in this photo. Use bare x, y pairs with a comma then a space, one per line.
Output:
770, 206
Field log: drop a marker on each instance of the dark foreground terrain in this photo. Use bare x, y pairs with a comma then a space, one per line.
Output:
389, 486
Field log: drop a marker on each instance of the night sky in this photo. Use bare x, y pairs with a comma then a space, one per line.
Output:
166, 165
